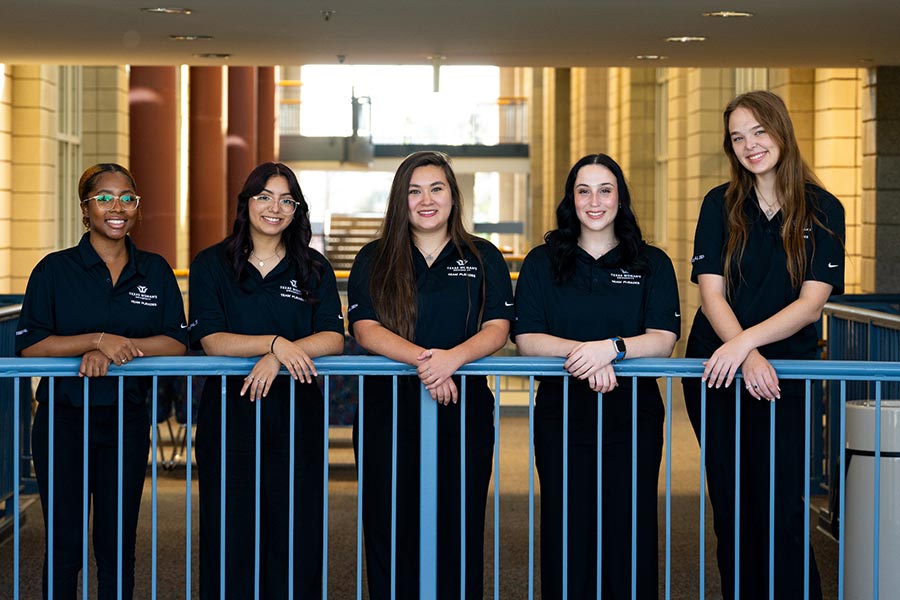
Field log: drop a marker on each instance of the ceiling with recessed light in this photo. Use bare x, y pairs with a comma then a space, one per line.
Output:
781, 33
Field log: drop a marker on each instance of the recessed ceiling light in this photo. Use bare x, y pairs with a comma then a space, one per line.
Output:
686, 39
727, 14
217, 55
190, 37
162, 10
650, 57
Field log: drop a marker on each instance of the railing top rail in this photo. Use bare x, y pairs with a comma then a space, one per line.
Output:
10, 311
865, 315
509, 365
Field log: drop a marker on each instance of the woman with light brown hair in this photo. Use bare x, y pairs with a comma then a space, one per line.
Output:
429, 294
768, 252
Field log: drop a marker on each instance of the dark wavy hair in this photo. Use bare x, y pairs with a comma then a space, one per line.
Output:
295, 237
563, 241
393, 290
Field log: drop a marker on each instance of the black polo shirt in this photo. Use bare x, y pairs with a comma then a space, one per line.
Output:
763, 286
601, 300
449, 292
259, 305
70, 292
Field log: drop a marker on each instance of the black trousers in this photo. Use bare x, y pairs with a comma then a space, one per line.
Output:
582, 489
790, 508
240, 491
102, 464
378, 437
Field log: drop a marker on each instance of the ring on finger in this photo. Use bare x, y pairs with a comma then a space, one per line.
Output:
249, 378
755, 387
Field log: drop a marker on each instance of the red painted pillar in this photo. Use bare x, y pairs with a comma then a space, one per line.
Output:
268, 141
153, 151
206, 185
242, 131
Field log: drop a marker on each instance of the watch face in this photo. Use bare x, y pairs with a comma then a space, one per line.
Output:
620, 345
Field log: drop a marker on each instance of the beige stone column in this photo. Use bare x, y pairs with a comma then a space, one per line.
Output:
590, 107
5, 176
105, 134
881, 181
33, 224
838, 154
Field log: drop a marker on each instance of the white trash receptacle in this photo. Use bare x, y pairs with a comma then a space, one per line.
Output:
860, 485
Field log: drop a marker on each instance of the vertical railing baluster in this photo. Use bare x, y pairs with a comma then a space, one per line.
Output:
737, 490
325, 468
772, 424
154, 434
360, 415
702, 489
807, 405
16, 480
531, 487
634, 462
462, 490
843, 491
188, 487
565, 490
292, 464
428, 496
50, 489
257, 496
668, 488
877, 509
120, 470
599, 495
394, 433
222, 489
497, 488
85, 490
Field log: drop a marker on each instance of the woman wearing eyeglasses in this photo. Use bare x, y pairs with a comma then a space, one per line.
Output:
108, 303
263, 292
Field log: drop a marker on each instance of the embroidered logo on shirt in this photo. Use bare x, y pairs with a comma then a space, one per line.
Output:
625, 277
141, 296
507, 304
291, 291
189, 326
698, 257
462, 269
352, 306
806, 232
22, 332
832, 266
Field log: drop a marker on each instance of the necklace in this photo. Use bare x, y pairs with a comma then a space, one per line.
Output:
429, 255
262, 261
771, 207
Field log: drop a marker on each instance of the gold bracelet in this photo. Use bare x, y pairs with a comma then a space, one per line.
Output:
100, 339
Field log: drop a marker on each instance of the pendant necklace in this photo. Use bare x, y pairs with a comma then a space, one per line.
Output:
429, 255
771, 207
262, 261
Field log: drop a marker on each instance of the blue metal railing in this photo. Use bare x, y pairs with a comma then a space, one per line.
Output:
808, 371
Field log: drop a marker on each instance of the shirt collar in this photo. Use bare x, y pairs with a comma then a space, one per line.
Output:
91, 259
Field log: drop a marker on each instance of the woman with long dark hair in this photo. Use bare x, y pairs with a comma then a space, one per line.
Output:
429, 294
264, 292
109, 303
768, 252
593, 294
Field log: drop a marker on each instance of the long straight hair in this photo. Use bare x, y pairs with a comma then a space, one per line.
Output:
563, 241
393, 290
295, 237
792, 175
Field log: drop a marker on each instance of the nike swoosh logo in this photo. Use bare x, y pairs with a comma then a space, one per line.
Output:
832, 266
183, 326
507, 304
